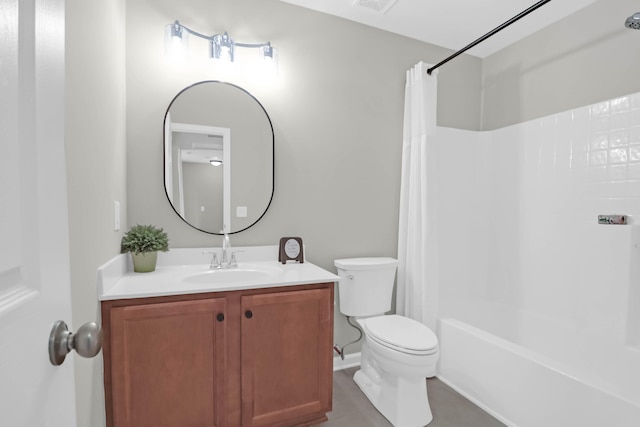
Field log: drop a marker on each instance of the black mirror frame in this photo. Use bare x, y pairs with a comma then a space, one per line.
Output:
273, 157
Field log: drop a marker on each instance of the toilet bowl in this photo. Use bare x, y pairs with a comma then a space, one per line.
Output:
398, 353
393, 371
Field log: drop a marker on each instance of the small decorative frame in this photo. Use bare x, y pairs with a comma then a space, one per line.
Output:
290, 250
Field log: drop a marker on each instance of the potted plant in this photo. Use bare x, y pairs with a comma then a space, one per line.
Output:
144, 242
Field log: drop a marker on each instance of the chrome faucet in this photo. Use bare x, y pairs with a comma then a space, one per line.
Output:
227, 258
226, 247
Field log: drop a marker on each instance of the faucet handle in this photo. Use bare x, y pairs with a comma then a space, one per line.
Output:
234, 262
214, 259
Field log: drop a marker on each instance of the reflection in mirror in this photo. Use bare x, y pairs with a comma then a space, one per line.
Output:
218, 157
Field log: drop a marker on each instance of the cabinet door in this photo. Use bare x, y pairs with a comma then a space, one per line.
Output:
168, 364
286, 357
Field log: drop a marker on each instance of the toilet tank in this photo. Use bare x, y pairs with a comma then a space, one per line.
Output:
366, 285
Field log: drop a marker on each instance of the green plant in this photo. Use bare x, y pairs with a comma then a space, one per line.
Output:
145, 238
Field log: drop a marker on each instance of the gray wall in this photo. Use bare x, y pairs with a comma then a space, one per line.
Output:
585, 58
337, 112
95, 155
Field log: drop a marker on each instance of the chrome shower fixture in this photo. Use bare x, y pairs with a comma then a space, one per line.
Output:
633, 21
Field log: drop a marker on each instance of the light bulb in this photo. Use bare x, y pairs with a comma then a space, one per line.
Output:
176, 41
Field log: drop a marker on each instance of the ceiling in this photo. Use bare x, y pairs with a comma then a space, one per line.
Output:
450, 23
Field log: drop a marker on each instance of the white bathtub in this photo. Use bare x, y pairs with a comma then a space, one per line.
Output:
526, 388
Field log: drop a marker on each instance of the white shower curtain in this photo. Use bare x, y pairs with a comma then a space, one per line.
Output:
417, 293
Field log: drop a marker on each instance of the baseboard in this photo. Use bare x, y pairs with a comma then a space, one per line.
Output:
350, 360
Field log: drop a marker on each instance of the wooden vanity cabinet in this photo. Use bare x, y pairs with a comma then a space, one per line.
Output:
167, 364
286, 355
254, 358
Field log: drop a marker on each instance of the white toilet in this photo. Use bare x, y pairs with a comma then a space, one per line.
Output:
398, 353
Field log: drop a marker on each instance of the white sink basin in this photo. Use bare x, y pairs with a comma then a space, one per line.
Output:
232, 275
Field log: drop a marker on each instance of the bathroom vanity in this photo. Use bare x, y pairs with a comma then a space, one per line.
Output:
190, 346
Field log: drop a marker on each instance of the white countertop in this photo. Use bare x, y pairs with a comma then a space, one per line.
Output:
186, 271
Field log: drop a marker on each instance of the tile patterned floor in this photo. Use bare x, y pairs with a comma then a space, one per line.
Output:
352, 409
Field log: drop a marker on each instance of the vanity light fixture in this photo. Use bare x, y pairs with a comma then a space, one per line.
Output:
221, 46
215, 162
176, 41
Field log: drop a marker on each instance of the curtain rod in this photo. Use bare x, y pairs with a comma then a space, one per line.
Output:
490, 33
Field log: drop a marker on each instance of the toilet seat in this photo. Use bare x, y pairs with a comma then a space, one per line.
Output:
402, 334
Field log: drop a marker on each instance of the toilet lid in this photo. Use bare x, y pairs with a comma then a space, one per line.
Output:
401, 333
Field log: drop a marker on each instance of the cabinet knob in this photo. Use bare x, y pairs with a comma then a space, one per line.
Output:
220, 317
248, 314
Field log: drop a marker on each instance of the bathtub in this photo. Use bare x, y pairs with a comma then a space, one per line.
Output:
527, 388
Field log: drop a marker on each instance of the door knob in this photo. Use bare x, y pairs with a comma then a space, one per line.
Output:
87, 342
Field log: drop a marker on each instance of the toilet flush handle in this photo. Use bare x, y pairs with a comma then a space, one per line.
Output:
350, 276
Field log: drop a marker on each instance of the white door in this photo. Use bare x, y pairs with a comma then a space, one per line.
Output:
34, 254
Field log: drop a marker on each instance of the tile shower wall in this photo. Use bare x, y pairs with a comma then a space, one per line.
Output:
518, 235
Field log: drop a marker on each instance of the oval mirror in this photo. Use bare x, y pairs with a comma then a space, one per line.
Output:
218, 157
